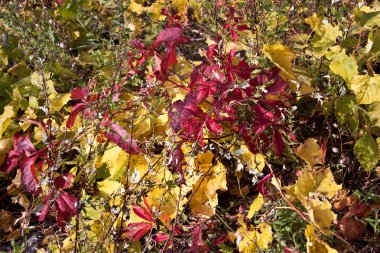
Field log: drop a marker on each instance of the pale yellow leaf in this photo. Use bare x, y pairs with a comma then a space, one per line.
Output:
136, 7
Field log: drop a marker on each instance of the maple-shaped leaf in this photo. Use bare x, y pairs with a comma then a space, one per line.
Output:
66, 204
120, 137
135, 231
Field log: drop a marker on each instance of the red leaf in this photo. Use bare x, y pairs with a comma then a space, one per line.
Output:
28, 174
23, 145
161, 237
277, 87
135, 231
143, 213
124, 140
173, 34
278, 142
198, 245
261, 184
79, 93
11, 161
66, 206
73, 115
45, 211
213, 126
63, 181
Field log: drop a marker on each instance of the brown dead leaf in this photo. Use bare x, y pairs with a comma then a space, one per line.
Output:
6, 221
352, 228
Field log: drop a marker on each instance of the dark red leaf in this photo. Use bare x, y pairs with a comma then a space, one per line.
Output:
352, 228
28, 174
64, 181
261, 184
278, 142
73, 115
124, 140
66, 206
143, 213
135, 231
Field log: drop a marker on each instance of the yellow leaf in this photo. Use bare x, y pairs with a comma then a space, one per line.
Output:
320, 214
253, 161
166, 201
58, 101
252, 240
311, 181
256, 205
310, 152
156, 10
366, 88
136, 7
281, 56
180, 5
108, 187
116, 159
314, 244
344, 66
211, 178
6, 118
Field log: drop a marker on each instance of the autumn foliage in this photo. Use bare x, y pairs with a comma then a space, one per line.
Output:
189, 126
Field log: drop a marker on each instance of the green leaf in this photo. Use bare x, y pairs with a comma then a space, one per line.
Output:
347, 111
367, 152
366, 88
373, 44
374, 113
366, 16
344, 66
